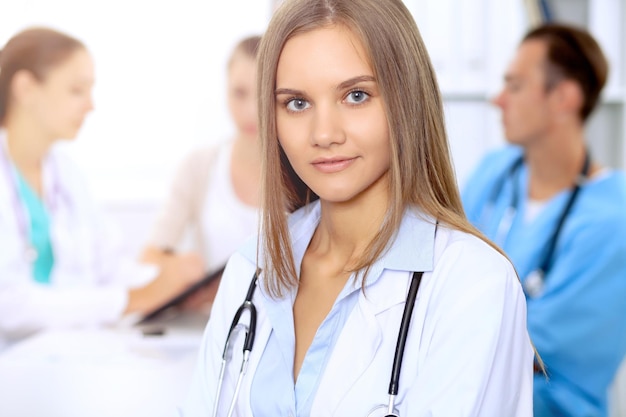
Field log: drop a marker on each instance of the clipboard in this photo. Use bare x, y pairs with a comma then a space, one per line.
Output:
181, 297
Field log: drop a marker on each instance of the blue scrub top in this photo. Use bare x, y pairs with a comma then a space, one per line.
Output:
578, 321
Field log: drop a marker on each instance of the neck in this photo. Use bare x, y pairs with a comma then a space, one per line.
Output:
346, 229
26, 147
555, 162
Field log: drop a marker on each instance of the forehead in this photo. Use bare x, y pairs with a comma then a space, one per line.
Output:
77, 66
332, 52
242, 66
529, 60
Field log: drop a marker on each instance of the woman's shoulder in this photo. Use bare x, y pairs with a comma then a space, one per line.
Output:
195, 168
468, 259
238, 273
466, 247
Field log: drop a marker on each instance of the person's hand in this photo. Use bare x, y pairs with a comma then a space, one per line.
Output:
177, 273
181, 269
202, 299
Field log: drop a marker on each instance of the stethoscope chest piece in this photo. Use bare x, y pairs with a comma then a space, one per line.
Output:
534, 283
382, 411
30, 254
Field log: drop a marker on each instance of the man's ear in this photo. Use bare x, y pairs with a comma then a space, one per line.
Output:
569, 97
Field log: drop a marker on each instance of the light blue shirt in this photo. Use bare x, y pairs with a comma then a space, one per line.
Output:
468, 339
276, 366
38, 230
273, 391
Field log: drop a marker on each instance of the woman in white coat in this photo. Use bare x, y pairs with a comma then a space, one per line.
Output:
60, 265
354, 141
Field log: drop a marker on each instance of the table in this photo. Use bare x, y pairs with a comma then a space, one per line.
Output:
112, 372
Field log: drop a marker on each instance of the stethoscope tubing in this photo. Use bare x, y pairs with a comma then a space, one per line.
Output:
18, 209
510, 212
403, 333
235, 327
21, 213
584, 174
248, 305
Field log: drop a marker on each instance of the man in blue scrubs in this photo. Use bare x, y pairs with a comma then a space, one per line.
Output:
560, 216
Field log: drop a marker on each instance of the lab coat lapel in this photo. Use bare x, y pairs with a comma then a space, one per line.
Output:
359, 342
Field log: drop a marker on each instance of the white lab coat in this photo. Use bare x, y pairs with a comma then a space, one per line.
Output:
468, 351
90, 276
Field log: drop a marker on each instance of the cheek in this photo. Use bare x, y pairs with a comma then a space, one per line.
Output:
289, 133
53, 111
241, 110
233, 107
374, 131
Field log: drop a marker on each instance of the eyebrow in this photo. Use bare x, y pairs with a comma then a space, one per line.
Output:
356, 80
342, 86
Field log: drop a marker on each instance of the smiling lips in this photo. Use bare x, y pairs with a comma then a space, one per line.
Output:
331, 165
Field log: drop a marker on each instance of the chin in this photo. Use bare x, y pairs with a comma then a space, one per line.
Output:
337, 197
68, 135
517, 141
252, 137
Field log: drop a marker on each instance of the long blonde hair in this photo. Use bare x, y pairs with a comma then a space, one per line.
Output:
421, 172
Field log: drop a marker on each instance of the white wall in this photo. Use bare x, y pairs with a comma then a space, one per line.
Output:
160, 80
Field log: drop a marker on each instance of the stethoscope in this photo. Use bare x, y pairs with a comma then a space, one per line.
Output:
534, 282
388, 410
29, 252
235, 327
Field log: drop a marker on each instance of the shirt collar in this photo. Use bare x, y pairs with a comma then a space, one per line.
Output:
411, 249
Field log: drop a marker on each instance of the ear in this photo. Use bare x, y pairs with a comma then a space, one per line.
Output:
568, 97
23, 85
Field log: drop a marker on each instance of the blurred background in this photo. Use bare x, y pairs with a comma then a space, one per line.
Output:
161, 67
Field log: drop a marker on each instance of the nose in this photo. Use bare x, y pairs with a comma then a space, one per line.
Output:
89, 105
327, 126
498, 99
252, 108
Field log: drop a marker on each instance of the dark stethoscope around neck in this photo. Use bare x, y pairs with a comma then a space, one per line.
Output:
383, 410
534, 282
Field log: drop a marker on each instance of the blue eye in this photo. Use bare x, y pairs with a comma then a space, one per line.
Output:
297, 105
357, 97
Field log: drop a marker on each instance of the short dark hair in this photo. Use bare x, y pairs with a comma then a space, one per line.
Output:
573, 54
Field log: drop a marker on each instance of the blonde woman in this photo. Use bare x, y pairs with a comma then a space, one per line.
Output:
215, 195
376, 296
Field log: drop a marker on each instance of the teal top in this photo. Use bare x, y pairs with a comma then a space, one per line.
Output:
39, 230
